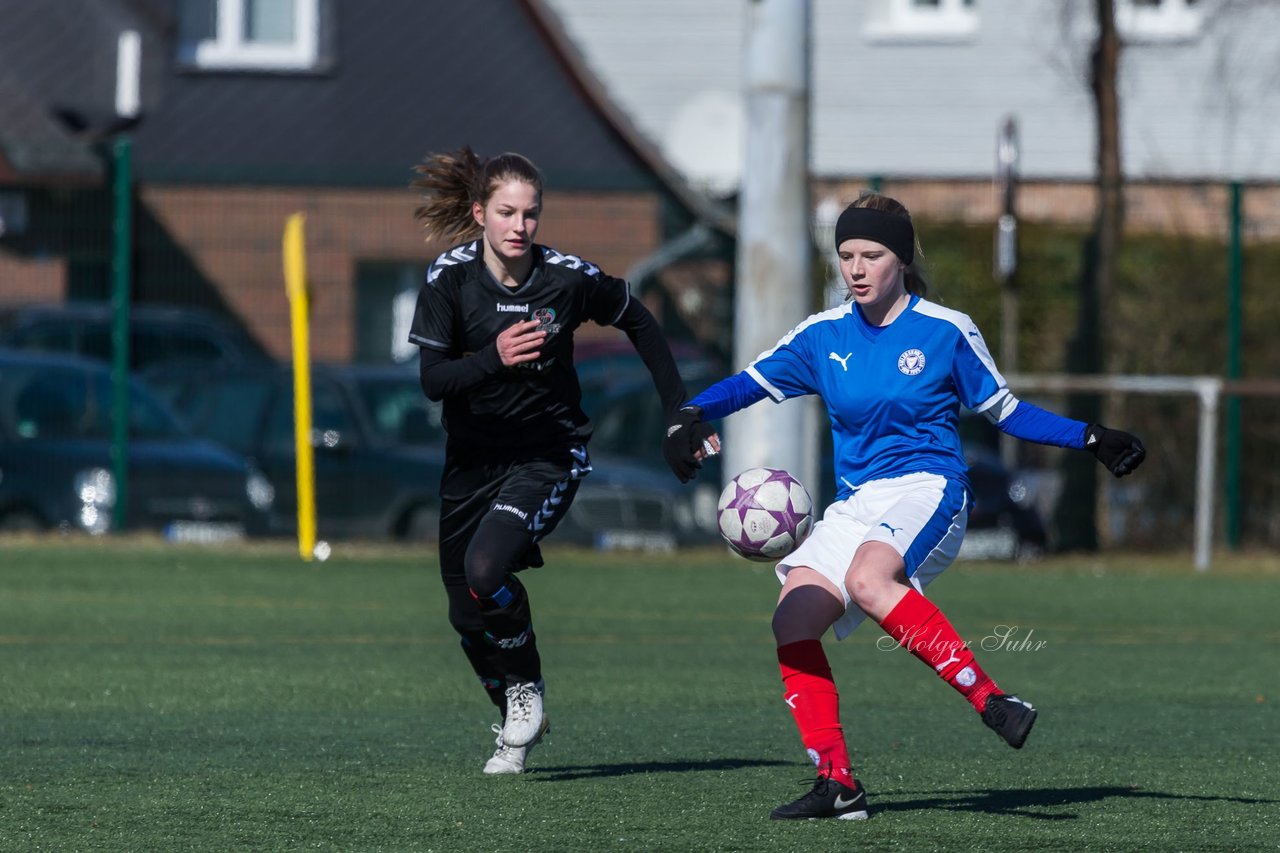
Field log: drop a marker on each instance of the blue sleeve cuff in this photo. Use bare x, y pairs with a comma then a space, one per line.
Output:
728, 396
1032, 423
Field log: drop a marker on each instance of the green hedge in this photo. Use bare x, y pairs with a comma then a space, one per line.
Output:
1167, 316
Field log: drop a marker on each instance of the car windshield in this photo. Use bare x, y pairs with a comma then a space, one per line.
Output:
227, 409
43, 402
399, 412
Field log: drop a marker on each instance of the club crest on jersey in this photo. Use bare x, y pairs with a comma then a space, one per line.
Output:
546, 318
911, 362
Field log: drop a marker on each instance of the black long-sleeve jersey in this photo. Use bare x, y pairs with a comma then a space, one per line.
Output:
461, 310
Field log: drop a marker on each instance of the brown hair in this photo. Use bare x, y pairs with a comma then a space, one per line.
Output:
451, 182
913, 276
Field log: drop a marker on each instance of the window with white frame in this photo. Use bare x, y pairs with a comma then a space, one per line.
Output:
1158, 20
280, 35
930, 20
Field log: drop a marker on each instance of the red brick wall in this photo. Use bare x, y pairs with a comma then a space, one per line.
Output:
23, 280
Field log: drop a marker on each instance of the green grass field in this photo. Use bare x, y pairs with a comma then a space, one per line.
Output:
164, 698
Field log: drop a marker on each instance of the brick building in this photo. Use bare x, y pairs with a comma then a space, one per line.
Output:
323, 111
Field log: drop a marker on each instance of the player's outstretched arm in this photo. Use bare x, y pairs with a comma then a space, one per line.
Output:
1120, 451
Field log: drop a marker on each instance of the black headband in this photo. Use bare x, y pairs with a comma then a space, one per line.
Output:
887, 229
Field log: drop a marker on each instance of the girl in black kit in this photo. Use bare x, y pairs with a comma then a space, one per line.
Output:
494, 324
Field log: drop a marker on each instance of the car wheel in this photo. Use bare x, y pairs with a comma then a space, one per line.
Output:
20, 521
421, 524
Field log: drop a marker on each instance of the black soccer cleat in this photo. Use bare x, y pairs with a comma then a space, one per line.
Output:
1009, 717
828, 798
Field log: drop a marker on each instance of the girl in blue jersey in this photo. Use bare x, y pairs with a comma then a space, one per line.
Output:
893, 370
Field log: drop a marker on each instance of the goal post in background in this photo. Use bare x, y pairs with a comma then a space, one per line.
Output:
1207, 390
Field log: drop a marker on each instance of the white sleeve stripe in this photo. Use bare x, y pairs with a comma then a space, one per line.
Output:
965, 326
427, 342
998, 406
830, 314
773, 392
626, 289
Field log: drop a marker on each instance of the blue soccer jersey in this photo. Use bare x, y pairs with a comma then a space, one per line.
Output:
892, 393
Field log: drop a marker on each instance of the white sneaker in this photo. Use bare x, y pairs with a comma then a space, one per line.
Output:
511, 759
524, 714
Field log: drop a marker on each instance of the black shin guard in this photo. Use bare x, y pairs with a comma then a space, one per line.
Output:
496, 551
483, 660
508, 629
464, 616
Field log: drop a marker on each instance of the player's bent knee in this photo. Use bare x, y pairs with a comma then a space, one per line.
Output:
869, 590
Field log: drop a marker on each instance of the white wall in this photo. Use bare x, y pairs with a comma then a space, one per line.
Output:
1201, 107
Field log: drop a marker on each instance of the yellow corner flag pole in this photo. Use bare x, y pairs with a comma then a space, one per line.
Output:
295, 282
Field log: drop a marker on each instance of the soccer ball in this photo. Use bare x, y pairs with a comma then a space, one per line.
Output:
764, 514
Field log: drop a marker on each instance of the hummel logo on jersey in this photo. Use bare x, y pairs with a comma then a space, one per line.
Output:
513, 309
844, 362
893, 531
511, 509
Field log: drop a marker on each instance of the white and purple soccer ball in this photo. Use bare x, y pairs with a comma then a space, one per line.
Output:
764, 514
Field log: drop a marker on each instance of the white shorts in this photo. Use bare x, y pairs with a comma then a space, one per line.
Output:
921, 516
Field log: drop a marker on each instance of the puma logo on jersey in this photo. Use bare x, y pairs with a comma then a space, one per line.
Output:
893, 531
844, 362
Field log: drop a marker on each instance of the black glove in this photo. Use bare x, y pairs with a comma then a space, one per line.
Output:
1119, 451
685, 434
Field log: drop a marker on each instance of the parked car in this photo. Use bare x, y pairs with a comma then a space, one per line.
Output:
379, 455
629, 423
56, 464
378, 447
158, 334
606, 363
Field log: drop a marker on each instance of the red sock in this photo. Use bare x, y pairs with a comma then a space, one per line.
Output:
920, 626
810, 693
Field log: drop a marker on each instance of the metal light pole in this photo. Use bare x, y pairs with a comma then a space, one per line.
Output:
1006, 260
1235, 337
774, 286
